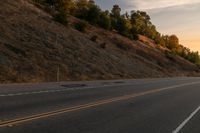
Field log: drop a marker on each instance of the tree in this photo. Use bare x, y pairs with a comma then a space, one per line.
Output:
116, 11
105, 20
159, 39
67, 6
194, 57
118, 22
82, 9
93, 14
64, 8
122, 26
141, 24
173, 42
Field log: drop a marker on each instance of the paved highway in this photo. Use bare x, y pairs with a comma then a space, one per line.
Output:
169, 105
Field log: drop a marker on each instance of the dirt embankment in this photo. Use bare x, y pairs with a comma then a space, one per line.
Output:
33, 46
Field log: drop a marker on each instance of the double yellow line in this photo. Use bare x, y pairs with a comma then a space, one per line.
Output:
85, 106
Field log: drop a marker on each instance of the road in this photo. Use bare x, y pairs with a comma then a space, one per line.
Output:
168, 105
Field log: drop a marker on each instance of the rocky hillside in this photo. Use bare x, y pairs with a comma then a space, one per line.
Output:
33, 46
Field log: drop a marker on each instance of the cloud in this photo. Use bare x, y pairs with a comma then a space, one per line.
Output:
182, 20
152, 4
176, 17
128, 5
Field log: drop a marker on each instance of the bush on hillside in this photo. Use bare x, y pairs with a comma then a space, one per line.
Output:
122, 45
94, 38
81, 26
169, 55
103, 45
61, 17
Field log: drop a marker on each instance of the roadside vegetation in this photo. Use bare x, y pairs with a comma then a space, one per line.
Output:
129, 24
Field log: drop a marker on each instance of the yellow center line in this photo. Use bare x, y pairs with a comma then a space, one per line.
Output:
86, 106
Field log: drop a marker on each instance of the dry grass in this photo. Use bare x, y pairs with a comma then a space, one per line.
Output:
32, 46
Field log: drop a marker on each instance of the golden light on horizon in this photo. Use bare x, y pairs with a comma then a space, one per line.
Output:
192, 44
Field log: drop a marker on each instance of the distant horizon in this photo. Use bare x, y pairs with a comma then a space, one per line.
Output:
180, 18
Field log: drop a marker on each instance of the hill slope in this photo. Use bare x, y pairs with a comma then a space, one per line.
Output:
32, 46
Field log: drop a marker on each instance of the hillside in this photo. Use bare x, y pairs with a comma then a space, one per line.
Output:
33, 45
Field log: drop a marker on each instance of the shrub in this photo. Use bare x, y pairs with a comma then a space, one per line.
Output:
169, 55
135, 37
61, 17
123, 45
81, 26
94, 38
103, 45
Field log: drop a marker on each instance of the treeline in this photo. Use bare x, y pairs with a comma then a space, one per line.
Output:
128, 24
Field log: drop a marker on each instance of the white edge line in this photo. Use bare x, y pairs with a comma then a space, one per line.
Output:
83, 88
178, 129
59, 90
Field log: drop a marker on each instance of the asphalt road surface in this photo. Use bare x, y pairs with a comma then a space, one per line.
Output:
169, 105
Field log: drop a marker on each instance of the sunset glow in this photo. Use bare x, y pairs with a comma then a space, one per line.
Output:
179, 17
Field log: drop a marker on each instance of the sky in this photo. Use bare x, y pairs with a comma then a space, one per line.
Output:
180, 17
